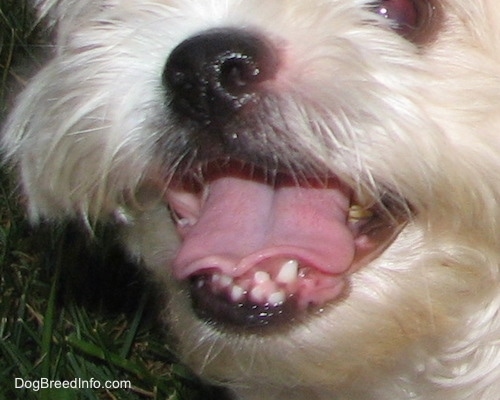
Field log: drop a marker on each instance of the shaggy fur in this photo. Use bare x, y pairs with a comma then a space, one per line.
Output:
407, 121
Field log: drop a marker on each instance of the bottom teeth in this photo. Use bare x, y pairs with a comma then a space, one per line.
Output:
258, 294
262, 287
288, 272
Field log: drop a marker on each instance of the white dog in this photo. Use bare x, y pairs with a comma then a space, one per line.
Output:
317, 182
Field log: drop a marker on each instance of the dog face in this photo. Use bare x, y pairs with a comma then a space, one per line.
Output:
314, 181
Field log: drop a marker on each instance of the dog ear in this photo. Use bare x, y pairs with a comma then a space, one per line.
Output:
31, 132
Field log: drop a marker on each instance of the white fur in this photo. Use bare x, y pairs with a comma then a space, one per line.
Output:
422, 320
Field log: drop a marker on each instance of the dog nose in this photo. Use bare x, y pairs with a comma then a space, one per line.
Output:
213, 75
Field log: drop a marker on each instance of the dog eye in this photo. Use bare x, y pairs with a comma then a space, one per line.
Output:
406, 16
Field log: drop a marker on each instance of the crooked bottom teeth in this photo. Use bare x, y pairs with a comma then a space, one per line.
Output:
262, 288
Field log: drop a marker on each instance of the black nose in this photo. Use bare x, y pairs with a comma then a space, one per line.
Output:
213, 75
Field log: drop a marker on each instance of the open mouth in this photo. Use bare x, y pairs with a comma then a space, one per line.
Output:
264, 248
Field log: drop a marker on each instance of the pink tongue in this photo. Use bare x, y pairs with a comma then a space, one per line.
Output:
244, 224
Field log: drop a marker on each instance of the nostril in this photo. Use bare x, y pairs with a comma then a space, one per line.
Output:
212, 75
237, 72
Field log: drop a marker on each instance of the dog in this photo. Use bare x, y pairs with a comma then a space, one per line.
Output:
314, 183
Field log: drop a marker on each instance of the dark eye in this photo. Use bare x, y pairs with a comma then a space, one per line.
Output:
406, 16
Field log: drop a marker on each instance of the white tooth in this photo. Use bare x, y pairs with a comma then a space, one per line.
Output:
261, 277
216, 278
288, 272
225, 281
183, 222
258, 293
237, 293
277, 298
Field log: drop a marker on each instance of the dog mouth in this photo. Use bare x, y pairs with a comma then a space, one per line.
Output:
264, 249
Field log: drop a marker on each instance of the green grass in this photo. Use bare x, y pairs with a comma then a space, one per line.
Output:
46, 334
56, 322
